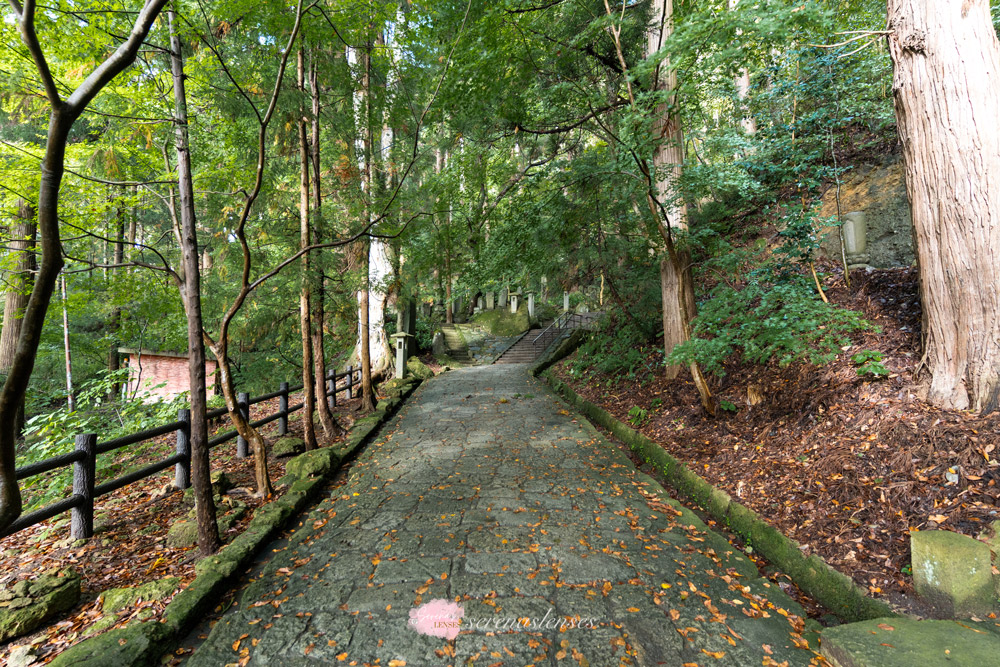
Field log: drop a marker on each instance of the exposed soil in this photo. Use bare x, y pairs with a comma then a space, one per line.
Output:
846, 465
131, 548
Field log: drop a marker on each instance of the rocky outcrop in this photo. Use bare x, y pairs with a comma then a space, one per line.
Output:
879, 191
27, 605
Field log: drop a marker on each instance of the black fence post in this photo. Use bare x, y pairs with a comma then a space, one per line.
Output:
182, 470
243, 405
350, 382
82, 521
283, 409
331, 388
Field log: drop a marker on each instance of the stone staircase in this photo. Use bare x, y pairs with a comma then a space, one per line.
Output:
530, 346
455, 344
533, 344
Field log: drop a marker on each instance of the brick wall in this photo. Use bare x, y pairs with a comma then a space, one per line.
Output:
171, 372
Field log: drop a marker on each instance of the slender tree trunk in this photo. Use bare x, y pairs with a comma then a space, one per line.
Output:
305, 295
449, 313
368, 400
63, 114
261, 477
367, 391
946, 61
70, 395
115, 319
208, 530
19, 283
330, 426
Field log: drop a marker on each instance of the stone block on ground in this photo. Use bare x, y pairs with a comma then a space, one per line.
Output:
288, 446
314, 463
116, 599
906, 642
419, 369
135, 644
184, 533
953, 572
26, 605
220, 482
437, 345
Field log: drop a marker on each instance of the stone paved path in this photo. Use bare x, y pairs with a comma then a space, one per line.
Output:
486, 491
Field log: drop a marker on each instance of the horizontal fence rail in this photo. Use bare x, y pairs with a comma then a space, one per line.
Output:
83, 458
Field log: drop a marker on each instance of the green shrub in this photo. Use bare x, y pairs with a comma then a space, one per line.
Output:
869, 362
781, 319
615, 349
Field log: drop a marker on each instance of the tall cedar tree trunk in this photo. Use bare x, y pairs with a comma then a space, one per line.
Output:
63, 114
208, 531
676, 280
668, 159
946, 84
19, 283
368, 400
305, 240
449, 317
330, 427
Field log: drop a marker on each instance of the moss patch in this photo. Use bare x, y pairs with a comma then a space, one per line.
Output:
29, 604
135, 644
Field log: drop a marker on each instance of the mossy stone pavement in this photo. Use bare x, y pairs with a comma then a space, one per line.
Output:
485, 490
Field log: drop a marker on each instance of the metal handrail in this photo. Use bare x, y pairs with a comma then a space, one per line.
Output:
555, 322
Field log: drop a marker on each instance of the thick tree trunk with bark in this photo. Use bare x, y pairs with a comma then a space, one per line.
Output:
668, 159
19, 282
946, 62
208, 531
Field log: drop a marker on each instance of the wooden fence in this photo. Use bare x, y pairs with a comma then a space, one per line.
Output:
84, 457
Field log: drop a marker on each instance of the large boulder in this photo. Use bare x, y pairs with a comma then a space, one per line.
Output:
26, 605
438, 347
505, 323
182, 534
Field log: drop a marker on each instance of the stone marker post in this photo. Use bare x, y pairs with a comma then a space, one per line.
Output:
400, 354
856, 239
565, 300
531, 304
503, 298
489, 301
514, 298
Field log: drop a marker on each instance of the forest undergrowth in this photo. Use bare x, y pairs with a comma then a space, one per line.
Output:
845, 462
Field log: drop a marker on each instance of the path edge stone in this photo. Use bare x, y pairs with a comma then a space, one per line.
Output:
144, 642
830, 587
